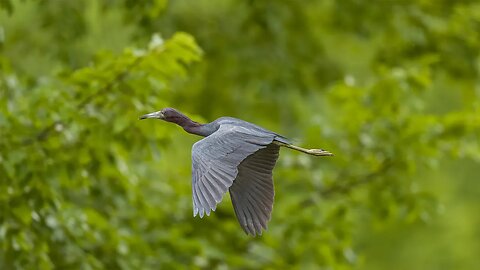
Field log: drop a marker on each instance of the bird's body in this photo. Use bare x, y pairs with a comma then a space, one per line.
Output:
235, 156
247, 126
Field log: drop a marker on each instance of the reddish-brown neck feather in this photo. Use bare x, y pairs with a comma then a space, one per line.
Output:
186, 123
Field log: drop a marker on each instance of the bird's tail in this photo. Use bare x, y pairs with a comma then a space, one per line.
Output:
313, 152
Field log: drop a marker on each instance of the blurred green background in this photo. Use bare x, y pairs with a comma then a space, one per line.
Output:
391, 87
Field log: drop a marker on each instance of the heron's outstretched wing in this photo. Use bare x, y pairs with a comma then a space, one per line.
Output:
215, 161
252, 191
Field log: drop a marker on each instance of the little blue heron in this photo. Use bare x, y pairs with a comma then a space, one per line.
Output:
235, 156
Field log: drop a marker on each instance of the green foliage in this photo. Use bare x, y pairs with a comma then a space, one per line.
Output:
390, 88
61, 203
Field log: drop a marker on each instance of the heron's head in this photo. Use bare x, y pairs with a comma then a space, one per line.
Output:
167, 114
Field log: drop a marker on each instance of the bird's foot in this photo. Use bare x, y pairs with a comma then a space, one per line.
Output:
319, 152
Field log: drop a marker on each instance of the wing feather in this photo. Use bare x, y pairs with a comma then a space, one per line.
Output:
215, 185
207, 196
215, 162
252, 191
240, 213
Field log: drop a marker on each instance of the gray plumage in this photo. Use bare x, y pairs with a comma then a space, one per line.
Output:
238, 157
235, 156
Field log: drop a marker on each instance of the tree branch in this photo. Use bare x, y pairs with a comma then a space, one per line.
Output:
45, 132
346, 188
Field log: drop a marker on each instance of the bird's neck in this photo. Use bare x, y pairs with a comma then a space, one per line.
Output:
190, 126
197, 129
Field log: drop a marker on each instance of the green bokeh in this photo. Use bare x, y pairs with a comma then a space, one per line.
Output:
391, 87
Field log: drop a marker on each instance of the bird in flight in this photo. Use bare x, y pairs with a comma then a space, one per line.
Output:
235, 156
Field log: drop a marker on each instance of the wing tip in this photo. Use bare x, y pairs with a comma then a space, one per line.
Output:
255, 232
203, 212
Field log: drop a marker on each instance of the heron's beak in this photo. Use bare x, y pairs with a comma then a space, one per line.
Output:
155, 115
